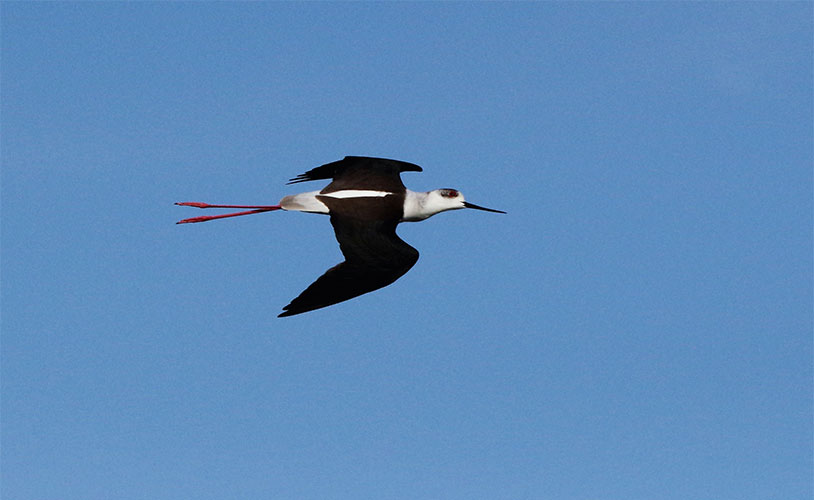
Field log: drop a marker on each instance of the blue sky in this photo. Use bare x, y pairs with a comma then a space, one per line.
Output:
638, 326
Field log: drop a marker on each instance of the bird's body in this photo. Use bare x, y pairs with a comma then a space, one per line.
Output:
366, 200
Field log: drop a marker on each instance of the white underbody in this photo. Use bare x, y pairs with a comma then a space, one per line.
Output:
417, 206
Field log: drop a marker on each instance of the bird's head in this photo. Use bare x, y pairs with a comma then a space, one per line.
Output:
441, 200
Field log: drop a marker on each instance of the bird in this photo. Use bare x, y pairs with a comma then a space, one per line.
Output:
366, 199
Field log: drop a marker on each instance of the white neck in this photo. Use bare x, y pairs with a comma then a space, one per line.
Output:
414, 206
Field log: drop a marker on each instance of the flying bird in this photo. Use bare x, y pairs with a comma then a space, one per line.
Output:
366, 201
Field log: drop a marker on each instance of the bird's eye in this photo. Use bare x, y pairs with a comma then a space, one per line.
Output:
449, 193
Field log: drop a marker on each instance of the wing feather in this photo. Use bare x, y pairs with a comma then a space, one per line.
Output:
374, 257
360, 172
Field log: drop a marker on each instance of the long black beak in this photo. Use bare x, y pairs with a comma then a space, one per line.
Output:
472, 205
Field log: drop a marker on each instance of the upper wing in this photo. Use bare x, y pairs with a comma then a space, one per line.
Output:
374, 258
360, 172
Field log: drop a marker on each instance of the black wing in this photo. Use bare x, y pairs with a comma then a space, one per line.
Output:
360, 172
374, 258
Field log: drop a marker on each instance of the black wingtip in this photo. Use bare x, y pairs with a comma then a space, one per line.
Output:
299, 178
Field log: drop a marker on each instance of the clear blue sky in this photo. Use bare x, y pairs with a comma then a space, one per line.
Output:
639, 326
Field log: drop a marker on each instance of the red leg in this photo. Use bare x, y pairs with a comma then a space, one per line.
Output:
257, 210
198, 204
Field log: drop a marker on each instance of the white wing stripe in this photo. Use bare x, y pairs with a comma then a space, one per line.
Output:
356, 193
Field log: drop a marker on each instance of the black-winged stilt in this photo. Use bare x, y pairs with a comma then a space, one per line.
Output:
366, 201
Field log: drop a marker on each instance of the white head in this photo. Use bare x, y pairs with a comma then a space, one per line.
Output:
420, 206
